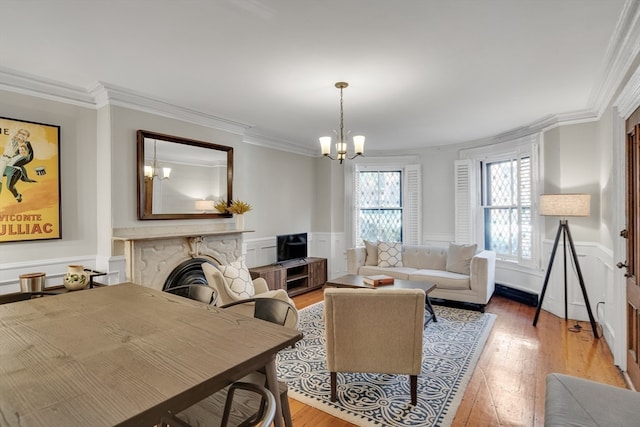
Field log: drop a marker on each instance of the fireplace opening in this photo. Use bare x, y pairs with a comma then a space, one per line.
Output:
187, 273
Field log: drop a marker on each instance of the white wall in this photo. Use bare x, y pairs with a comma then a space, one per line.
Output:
78, 191
438, 225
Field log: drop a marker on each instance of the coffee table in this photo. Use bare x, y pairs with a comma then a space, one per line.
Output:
355, 281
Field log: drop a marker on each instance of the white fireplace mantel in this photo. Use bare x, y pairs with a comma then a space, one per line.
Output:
153, 252
167, 231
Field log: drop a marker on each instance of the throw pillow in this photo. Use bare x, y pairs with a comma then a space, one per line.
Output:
459, 258
372, 253
389, 254
238, 278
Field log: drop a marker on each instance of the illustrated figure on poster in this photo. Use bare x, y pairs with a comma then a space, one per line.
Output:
17, 153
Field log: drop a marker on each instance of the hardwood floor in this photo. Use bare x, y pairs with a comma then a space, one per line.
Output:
507, 387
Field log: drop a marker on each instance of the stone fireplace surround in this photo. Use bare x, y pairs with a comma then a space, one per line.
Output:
153, 253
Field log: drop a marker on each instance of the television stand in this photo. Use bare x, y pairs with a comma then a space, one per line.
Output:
296, 276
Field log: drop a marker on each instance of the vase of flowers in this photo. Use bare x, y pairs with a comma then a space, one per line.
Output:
237, 207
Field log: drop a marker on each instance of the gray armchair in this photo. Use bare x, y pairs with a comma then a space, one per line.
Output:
374, 330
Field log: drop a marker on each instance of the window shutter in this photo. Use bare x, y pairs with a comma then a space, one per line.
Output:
463, 199
355, 216
412, 205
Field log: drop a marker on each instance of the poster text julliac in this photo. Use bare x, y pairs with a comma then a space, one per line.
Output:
24, 224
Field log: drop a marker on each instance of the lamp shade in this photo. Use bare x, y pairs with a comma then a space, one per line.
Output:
565, 204
204, 205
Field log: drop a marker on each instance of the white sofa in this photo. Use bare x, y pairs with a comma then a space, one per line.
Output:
429, 264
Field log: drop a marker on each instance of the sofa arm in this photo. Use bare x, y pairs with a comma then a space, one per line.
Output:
483, 273
355, 259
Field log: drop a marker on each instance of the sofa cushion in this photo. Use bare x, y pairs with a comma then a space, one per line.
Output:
238, 278
372, 253
459, 258
389, 254
428, 257
442, 279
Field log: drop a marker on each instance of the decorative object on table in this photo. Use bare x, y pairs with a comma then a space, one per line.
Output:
378, 280
564, 205
32, 282
236, 207
341, 143
76, 278
451, 349
30, 161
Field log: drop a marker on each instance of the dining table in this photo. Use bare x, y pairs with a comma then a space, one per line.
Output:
124, 355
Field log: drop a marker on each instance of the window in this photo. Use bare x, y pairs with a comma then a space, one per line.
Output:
386, 203
495, 187
507, 207
380, 206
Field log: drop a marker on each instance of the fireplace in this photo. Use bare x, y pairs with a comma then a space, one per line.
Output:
188, 273
166, 256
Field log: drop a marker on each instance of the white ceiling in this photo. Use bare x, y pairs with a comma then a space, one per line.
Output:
421, 72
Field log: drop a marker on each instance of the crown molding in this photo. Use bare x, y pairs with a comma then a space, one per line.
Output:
627, 100
542, 125
27, 84
103, 94
108, 94
623, 49
279, 144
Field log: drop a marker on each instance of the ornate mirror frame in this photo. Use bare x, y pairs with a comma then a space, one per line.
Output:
179, 152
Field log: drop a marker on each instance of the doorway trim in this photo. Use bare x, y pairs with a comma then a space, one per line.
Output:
624, 105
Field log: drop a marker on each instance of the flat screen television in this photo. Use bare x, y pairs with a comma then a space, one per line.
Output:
291, 247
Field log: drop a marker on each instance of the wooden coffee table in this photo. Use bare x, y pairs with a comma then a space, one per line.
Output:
355, 281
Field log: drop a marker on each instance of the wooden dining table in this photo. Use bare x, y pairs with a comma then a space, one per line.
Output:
124, 355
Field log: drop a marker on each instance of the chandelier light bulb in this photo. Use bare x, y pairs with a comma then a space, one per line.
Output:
341, 144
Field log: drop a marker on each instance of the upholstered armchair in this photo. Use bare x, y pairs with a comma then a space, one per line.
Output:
375, 331
233, 283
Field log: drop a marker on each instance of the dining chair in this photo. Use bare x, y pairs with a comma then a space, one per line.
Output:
202, 293
271, 310
237, 410
281, 313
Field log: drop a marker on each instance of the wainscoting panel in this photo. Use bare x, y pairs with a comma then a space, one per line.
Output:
596, 267
262, 251
55, 269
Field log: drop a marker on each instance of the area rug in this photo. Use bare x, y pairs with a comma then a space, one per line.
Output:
451, 349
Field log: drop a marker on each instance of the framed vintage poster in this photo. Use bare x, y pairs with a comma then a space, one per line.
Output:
30, 181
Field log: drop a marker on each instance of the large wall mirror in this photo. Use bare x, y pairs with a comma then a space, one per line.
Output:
181, 178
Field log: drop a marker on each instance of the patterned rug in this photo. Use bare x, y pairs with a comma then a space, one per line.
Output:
451, 350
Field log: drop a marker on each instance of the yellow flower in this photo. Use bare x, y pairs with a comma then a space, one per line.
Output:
221, 206
239, 207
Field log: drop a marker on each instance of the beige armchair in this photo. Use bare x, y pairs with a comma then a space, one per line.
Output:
226, 295
374, 330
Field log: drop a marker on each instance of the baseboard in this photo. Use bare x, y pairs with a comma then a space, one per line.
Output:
524, 297
458, 304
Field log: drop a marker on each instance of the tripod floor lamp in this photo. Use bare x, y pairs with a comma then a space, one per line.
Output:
564, 205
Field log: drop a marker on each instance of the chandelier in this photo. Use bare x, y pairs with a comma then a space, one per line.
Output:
341, 143
154, 170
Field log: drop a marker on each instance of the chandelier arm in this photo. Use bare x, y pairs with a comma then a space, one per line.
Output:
342, 144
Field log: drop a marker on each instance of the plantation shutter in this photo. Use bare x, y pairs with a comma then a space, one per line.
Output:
355, 223
412, 205
463, 200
